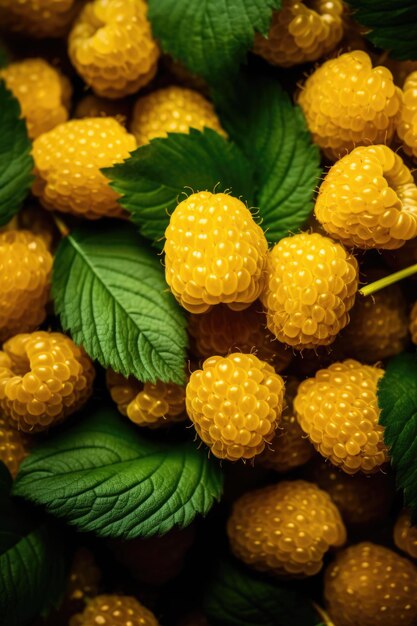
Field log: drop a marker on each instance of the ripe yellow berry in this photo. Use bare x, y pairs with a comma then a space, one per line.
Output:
68, 161
44, 377
338, 410
25, 267
38, 18
347, 103
112, 48
235, 403
371, 584
301, 31
311, 286
14, 446
407, 125
112, 610
94, 106
405, 535
413, 324
148, 404
290, 448
222, 331
285, 529
368, 199
172, 110
360, 499
214, 252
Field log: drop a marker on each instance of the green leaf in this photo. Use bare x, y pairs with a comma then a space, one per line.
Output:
152, 180
237, 597
110, 292
397, 399
33, 563
16, 163
392, 24
261, 119
102, 475
211, 38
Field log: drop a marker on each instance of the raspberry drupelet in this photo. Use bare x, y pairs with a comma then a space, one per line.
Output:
407, 125
405, 535
38, 18
113, 610
235, 403
214, 253
14, 446
285, 529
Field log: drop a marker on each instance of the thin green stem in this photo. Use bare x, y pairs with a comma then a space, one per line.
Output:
367, 290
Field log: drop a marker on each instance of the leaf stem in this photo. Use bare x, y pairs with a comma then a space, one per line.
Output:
367, 290
323, 614
61, 226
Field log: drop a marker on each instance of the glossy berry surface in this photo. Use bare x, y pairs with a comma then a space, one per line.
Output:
14, 446
407, 125
113, 610
405, 535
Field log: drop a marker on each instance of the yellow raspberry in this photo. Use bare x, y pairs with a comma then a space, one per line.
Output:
214, 252
347, 103
235, 403
112, 48
413, 324
361, 500
407, 125
25, 267
311, 286
150, 404
93, 106
39, 222
289, 448
405, 535
44, 377
372, 586
14, 446
38, 18
172, 110
112, 610
285, 529
338, 410
44, 94
368, 199
68, 160
222, 331
301, 32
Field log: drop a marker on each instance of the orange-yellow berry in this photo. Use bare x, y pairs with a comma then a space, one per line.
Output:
25, 267
214, 252
94, 106
371, 585
290, 447
368, 199
38, 18
44, 377
301, 31
361, 500
14, 446
150, 404
407, 125
347, 103
413, 324
235, 403
405, 535
43, 92
112, 48
222, 331
172, 110
311, 286
68, 160
338, 410
285, 529
112, 610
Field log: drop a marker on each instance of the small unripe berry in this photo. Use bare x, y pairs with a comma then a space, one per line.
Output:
112, 48
235, 403
405, 535
38, 18
301, 32
311, 286
68, 160
44, 377
112, 610
14, 446
347, 103
407, 125
214, 252
413, 324
285, 529
290, 447
338, 410
25, 267
373, 584
172, 110
368, 199
222, 331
